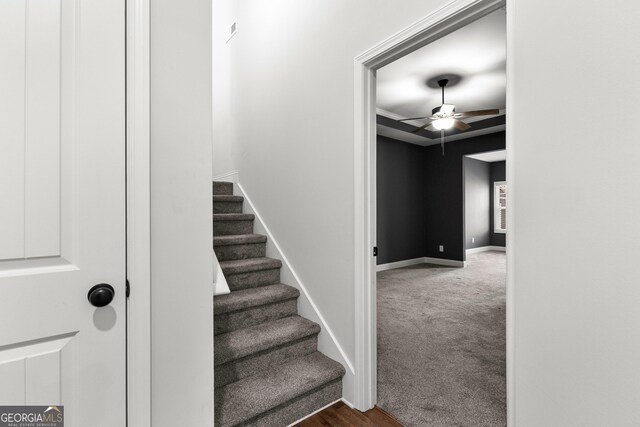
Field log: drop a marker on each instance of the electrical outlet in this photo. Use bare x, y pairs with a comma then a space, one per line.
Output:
441, 248
473, 240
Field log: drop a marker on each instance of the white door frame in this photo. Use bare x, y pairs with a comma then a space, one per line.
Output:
138, 215
443, 21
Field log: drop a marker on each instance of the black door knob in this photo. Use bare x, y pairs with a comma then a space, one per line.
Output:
101, 295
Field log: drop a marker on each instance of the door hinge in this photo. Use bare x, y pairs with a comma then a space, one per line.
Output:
375, 251
127, 289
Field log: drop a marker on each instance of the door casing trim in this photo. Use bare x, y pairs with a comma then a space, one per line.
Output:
443, 21
138, 214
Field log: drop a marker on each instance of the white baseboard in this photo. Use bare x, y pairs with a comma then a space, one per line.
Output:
345, 401
447, 262
485, 249
400, 264
314, 412
423, 260
227, 177
327, 341
349, 404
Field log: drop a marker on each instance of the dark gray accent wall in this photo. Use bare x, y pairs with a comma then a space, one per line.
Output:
444, 193
477, 206
400, 200
497, 173
420, 198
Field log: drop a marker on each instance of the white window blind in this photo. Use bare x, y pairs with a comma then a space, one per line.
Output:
500, 207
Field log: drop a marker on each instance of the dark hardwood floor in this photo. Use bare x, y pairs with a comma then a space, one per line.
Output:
340, 414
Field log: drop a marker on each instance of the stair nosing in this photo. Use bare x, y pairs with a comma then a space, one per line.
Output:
299, 328
233, 217
227, 198
249, 265
238, 239
286, 293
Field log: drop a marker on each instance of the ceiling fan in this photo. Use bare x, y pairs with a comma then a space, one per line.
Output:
445, 117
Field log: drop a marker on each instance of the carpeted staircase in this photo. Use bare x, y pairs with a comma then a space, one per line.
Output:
268, 371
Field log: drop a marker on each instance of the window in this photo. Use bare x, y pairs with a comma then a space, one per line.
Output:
500, 207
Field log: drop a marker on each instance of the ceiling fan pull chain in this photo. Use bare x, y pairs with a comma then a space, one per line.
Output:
442, 140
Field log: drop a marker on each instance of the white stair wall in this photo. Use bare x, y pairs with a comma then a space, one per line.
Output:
327, 342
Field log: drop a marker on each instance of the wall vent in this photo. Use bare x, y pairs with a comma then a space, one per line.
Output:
233, 29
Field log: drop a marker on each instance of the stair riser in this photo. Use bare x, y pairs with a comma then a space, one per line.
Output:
222, 189
227, 207
251, 365
296, 409
245, 251
225, 228
253, 279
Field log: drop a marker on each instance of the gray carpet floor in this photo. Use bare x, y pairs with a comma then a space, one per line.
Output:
441, 343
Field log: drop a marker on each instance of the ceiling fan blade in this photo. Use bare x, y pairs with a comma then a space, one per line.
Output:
420, 128
490, 112
432, 128
414, 118
460, 125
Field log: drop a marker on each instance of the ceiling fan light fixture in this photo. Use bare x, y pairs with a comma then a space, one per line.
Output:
444, 110
445, 123
444, 116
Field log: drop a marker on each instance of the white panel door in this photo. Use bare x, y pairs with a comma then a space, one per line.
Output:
62, 207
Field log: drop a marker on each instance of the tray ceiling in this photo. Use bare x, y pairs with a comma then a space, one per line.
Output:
476, 53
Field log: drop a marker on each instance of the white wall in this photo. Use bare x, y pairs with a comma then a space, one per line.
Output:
181, 227
577, 286
223, 103
289, 127
289, 131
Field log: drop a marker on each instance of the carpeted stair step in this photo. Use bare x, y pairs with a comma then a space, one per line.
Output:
232, 223
248, 351
268, 371
280, 395
251, 273
222, 188
242, 246
227, 204
248, 307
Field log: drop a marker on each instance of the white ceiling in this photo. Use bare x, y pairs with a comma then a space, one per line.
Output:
490, 156
475, 52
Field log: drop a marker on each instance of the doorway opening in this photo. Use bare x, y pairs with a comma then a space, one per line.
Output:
431, 308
